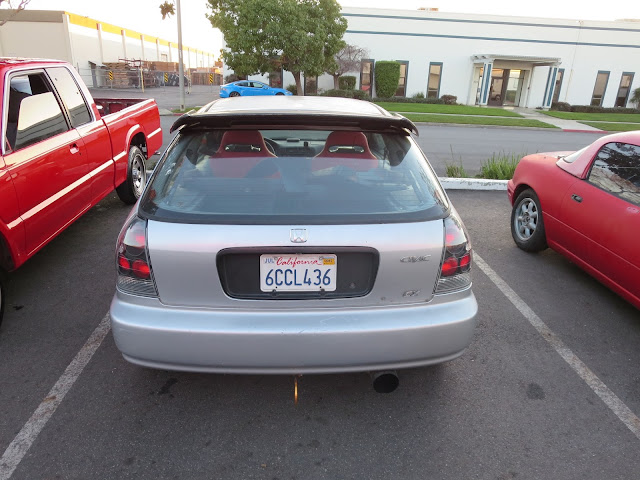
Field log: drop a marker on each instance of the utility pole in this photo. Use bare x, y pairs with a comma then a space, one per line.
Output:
180, 62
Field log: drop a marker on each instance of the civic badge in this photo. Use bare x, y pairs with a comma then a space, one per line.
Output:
299, 235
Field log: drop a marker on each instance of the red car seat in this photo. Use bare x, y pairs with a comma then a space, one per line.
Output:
349, 149
246, 145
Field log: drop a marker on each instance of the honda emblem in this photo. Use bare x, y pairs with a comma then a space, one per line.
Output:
299, 235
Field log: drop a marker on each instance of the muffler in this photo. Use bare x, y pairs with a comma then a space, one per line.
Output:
385, 381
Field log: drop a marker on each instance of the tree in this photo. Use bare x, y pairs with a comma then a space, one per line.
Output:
17, 8
301, 36
348, 59
635, 97
167, 9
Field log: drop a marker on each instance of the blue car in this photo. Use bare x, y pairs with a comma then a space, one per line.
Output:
247, 88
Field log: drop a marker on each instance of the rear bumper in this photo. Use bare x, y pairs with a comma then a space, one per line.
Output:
287, 341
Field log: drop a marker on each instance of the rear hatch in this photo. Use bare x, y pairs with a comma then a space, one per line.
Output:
219, 265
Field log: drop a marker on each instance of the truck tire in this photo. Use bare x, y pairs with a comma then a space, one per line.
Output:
131, 189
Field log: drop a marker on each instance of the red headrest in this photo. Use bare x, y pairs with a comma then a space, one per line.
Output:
243, 143
354, 145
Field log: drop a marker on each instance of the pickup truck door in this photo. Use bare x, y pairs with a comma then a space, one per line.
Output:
44, 158
94, 133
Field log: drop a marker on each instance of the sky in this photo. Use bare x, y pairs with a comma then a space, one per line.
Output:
144, 15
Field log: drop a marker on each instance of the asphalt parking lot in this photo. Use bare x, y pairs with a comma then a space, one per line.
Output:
517, 404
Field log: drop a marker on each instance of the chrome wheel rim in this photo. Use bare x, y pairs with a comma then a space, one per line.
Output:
525, 221
138, 174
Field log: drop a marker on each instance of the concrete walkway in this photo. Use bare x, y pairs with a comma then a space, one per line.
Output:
565, 125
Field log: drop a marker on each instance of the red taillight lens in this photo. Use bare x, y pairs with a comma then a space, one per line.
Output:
465, 263
141, 269
449, 267
134, 269
456, 259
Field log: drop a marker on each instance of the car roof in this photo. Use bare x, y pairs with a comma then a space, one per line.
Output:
294, 110
4, 61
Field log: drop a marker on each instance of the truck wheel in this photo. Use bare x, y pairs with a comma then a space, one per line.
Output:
131, 189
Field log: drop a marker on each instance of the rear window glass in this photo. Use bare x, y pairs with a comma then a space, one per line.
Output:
293, 176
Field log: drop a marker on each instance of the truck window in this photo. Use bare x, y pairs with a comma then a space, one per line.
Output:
34, 113
71, 95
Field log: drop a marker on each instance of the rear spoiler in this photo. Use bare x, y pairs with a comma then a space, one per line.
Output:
394, 122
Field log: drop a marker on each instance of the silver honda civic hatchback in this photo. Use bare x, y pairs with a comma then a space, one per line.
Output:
291, 235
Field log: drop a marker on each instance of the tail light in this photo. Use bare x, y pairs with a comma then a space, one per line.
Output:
132, 262
455, 270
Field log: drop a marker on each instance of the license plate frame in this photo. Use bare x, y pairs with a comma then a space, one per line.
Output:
298, 273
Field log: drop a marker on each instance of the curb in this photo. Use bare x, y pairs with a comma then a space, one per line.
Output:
472, 184
574, 130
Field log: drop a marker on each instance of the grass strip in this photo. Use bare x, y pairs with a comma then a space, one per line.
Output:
614, 127
595, 117
505, 122
448, 109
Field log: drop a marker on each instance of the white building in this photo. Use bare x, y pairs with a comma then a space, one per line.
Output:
497, 60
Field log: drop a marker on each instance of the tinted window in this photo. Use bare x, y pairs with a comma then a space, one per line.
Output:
71, 96
293, 176
617, 170
34, 113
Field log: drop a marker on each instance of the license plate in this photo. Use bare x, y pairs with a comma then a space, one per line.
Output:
298, 273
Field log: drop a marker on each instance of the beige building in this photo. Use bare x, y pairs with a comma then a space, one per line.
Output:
88, 44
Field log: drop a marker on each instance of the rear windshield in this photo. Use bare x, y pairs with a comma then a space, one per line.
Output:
293, 176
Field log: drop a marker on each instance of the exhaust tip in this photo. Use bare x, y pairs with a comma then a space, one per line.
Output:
385, 382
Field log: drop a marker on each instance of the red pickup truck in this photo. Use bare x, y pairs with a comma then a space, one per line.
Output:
60, 156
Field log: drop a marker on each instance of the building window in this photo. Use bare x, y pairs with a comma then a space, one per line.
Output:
402, 83
163, 57
311, 85
624, 89
433, 83
600, 88
366, 75
556, 90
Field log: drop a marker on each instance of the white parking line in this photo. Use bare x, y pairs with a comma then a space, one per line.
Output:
607, 396
20, 445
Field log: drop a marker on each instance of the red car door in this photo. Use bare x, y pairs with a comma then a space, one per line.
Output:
44, 159
603, 214
94, 133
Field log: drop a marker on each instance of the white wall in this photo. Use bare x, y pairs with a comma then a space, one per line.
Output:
25, 39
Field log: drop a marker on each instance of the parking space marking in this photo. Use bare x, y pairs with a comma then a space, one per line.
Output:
20, 445
616, 405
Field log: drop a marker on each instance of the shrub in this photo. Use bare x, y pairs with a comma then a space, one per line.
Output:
418, 95
409, 100
292, 88
359, 94
561, 106
635, 97
387, 78
449, 99
565, 107
232, 77
347, 82
500, 166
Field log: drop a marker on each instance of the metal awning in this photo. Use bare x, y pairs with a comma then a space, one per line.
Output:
536, 61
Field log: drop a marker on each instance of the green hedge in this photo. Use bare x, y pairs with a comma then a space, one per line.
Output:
359, 94
565, 107
387, 78
347, 82
437, 101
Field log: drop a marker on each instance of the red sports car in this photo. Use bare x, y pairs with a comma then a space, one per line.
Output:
586, 206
